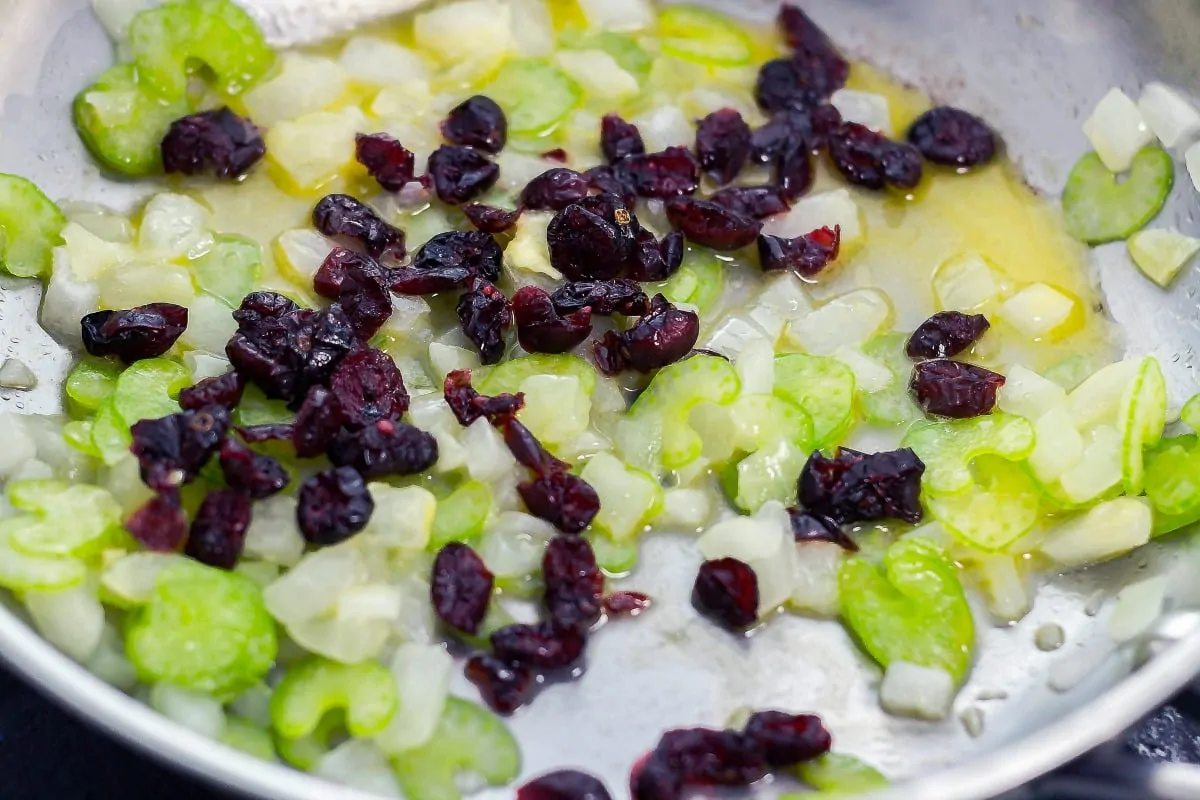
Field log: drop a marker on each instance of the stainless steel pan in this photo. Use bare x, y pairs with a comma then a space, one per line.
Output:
1031, 67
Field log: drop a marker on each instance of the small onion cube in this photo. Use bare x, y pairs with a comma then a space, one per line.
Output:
910, 690
1173, 119
1117, 130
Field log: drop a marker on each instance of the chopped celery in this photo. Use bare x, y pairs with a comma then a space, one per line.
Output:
759, 420
24, 573
78, 435
468, 741
461, 516
203, 629
306, 751
623, 48
146, 390
822, 386
698, 282
1173, 476
767, 474
1002, 506
64, 519
629, 497
258, 409
948, 448
122, 124
229, 271
914, 610
129, 581
30, 227
366, 692
704, 37
110, 435
1100, 208
1143, 415
244, 735
839, 774
167, 40
91, 381
1190, 413
1161, 253
892, 406
507, 378
536, 95
613, 557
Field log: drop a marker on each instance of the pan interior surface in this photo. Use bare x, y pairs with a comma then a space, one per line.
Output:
1034, 70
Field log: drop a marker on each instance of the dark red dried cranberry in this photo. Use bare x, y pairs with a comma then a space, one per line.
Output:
475, 250
541, 329
557, 155
758, 202
477, 122
543, 646
726, 590
786, 131
469, 405
805, 255
564, 500
528, 451
491, 219
613, 179
954, 389
172, 450
460, 588
567, 784
317, 422
407, 280
384, 448
249, 472
340, 215
574, 583
662, 337
390, 163
620, 139
217, 141
504, 687
654, 779
218, 532
654, 260
626, 604
333, 506
860, 487
808, 527
143, 332
799, 31
330, 276
604, 298
257, 434
592, 240
794, 173
672, 173
369, 387
485, 314
787, 739
224, 391
825, 120
946, 334
711, 225
286, 354
554, 190
803, 81
461, 174
705, 757
365, 301
870, 159
723, 145
160, 524
258, 306
952, 137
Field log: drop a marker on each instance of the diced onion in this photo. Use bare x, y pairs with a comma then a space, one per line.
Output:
849, 320
824, 210
1038, 311
403, 516
734, 335
598, 73
686, 509
513, 544
620, 15
446, 358
1173, 119
965, 283
756, 367
816, 588
141, 283
67, 299
1099, 468
765, 543
443, 31
379, 62
1029, 395
557, 407
870, 375
910, 690
313, 586
19, 445
1058, 448
1160, 253
1136, 608
198, 712
304, 85
210, 325
865, 108
665, 126
488, 458
1192, 159
1110, 529
1005, 588
71, 619
274, 535
1117, 130
173, 225
422, 674
315, 149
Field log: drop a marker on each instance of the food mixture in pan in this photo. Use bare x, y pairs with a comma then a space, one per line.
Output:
420, 335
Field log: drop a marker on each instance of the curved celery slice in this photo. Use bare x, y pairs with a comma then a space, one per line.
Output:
168, 39
1190, 413
91, 381
24, 573
535, 94
760, 419
823, 387
629, 497
30, 227
765, 475
468, 740
615, 558
258, 409
892, 406
1173, 476
1002, 506
507, 378
1100, 208
244, 735
230, 270
461, 516
306, 751
146, 390
366, 692
122, 124
698, 282
839, 773
203, 629
704, 37
948, 448
1143, 415
914, 610
624, 49
64, 519
110, 436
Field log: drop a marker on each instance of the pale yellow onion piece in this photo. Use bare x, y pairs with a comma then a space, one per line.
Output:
966, 283
375, 61
1117, 130
1110, 529
851, 320
314, 150
1039, 311
303, 85
824, 210
865, 108
1173, 119
1160, 253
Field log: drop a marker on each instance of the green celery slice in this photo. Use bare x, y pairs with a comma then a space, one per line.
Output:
839, 774
230, 270
1173, 476
92, 381
1002, 506
110, 435
698, 282
702, 36
1143, 416
948, 448
64, 520
122, 124
536, 95
30, 228
823, 387
507, 378
366, 692
624, 49
891, 406
147, 390
1190, 413
461, 516
1100, 208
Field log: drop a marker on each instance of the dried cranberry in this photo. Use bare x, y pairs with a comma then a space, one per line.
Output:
330, 276
567, 784
257, 434
490, 219
554, 190
543, 646
952, 137
593, 240
654, 260
800, 32
954, 389
799, 82
219, 530
286, 354
662, 337
672, 173
711, 225
794, 173
258, 306
805, 255
333, 506
705, 757
825, 120
564, 500
622, 604
249, 472
172, 450
365, 301
812, 528
613, 179
461, 588
541, 329
946, 334
475, 250
604, 298
407, 280
477, 122
143, 332
860, 487
528, 451
224, 391
787, 739
723, 145
160, 524
727, 591
485, 314
655, 779
217, 141
340, 215
758, 202
870, 159
574, 583
461, 174
384, 448
620, 139
505, 687
469, 405
390, 163
317, 422
558, 155
786, 131
369, 387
